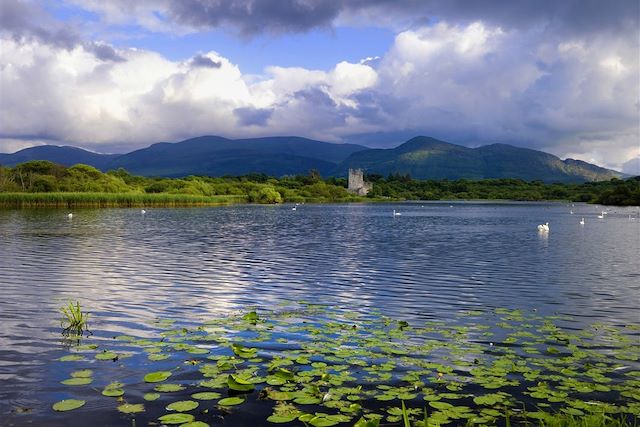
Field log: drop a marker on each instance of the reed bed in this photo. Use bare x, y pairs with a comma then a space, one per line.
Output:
112, 200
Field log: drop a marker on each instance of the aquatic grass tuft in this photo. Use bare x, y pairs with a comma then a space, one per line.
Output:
75, 320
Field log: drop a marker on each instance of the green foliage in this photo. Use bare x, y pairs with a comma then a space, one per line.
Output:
265, 194
74, 320
80, 185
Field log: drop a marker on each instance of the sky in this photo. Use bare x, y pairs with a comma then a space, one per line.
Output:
115, 76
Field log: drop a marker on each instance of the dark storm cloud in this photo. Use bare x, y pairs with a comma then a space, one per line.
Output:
23, 20
256, 16
315, 96
281, 16
249, 116
205, 62
104, 52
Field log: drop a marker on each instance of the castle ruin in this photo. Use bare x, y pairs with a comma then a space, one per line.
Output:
357, 184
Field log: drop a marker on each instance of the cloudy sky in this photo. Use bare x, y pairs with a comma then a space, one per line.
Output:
113, 76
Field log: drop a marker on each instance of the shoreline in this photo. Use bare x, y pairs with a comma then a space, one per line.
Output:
166, 200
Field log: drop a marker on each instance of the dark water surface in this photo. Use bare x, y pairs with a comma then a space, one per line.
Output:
433, 261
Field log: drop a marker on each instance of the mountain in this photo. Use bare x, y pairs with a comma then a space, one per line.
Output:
217, 156
65, 155
421, 157
428, 158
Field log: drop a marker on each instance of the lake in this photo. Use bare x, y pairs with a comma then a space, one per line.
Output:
429, 266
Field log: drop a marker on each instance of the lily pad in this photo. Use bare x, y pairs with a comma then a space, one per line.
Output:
206, 395
71, 358
239, 384
106, 355
178, 418
183, 406
131, 408
168, 388
68, 405
230, 401
151, 396
112, 392
77, 381
83, 373
156, 377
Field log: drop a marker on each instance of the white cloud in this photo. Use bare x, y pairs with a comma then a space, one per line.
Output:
472, 84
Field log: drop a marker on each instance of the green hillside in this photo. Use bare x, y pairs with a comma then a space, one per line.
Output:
428, 158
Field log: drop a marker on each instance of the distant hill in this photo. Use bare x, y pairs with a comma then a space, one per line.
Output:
217, 156
421, 157
428, 158
67, 156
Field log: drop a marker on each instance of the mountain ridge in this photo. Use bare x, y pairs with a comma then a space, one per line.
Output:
421, 157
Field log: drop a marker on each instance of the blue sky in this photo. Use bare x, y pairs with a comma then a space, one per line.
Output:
119, 75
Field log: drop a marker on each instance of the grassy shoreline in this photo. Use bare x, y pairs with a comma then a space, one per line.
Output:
111, 200
70, 200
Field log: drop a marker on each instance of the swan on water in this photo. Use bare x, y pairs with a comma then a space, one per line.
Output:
294, 208
571, 212
543, 227
396, 213
582, 221
143, 212
601, 216
69, 215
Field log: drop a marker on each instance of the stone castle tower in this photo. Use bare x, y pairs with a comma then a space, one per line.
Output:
357, 183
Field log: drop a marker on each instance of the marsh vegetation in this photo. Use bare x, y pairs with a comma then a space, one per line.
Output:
313, 365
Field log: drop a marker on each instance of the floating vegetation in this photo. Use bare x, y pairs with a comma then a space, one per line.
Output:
318, 366
68, 405
75, 320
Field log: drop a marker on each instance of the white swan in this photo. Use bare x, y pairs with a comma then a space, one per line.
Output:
143, 212
544, 227
294, 208
69, 215
571, 212
396, 213
582, 221
601, 216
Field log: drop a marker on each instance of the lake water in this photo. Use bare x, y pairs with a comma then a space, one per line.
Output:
434, 261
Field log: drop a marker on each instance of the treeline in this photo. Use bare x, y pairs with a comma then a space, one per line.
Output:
46, 177
614, 192
42, 176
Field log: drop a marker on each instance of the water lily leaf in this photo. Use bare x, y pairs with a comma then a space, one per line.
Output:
151, 396
83, 373
230, 401
156, 377
251, 317
239, 384
195, 424
131, 408
178, 418
68, 405
183, 406
106, 355
278, 419
157, 356
71, 358
112, 392
77, 381
206, 395
168, 388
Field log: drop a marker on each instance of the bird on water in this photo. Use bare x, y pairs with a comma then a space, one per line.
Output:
543, 227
